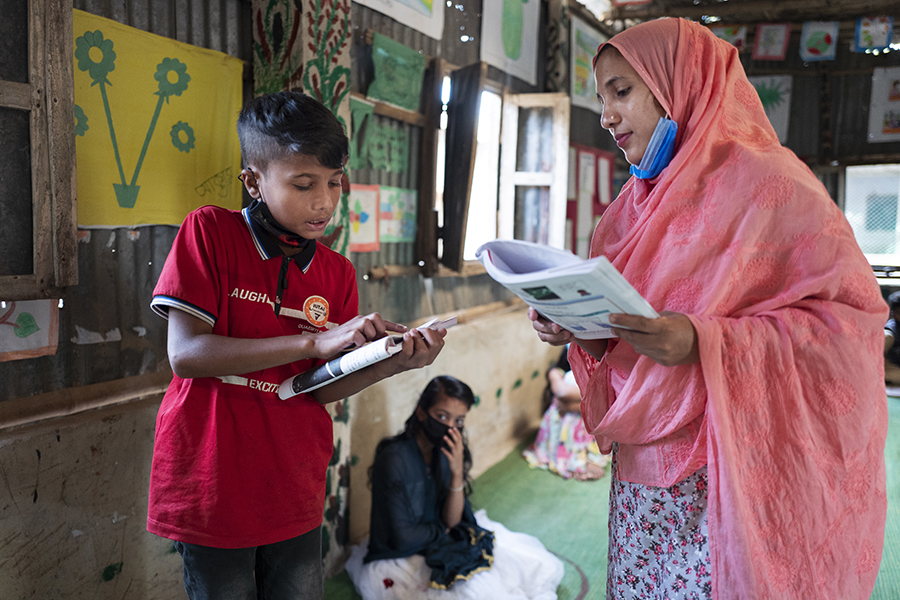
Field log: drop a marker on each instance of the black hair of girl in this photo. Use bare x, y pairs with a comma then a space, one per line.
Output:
272, 127
451, 387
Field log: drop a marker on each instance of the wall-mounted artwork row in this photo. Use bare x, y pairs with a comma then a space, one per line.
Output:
426, 16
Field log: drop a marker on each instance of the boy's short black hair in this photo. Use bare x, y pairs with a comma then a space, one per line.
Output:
894, 300
274, 126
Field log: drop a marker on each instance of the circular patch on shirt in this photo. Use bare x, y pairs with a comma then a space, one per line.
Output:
316, 310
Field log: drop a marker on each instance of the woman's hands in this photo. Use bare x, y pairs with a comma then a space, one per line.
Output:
555, 335
549, 331
669, 340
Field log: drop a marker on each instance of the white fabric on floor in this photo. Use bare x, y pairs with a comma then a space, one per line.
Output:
523, 569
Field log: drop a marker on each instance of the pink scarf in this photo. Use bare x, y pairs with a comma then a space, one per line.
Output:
787, 405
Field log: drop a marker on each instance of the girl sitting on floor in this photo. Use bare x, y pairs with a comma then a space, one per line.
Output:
425, 541
563, 445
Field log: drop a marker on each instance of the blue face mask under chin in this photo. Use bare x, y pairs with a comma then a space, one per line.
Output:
659, 150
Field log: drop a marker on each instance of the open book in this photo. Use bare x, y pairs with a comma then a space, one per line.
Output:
345, 364
577, 294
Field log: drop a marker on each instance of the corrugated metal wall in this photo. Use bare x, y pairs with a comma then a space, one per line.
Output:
411, 297
106, 328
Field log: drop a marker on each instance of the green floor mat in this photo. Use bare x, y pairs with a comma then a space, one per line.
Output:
570, 517
887, 586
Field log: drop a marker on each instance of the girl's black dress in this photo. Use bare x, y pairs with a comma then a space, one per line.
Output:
407, 497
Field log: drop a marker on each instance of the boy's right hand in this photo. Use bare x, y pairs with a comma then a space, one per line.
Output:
352, 334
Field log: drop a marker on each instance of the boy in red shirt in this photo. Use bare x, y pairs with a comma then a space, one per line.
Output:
238, 475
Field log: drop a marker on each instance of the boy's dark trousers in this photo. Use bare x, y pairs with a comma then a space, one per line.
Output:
288, 570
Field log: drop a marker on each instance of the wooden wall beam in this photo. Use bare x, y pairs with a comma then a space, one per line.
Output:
29, 410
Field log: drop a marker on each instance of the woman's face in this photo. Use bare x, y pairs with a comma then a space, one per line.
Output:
630, 111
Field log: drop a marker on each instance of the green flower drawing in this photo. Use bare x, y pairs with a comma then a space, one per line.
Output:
97, 70
188, 144
95, 55
81, 121
166, 87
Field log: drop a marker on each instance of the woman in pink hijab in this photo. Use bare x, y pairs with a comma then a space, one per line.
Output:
747, 423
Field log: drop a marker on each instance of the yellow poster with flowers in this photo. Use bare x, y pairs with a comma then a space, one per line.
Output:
155, 126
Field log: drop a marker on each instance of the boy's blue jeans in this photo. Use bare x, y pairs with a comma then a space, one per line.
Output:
288, 570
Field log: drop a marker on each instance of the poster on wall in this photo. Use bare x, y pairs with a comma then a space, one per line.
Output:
28, 328
399, 72
426, 16
771, 41
884, 106
736, 35
873, 33
818, 40
364, 218
585, 40
775, 93
508, 31
398, 214
587, 192
154, 130
592, 193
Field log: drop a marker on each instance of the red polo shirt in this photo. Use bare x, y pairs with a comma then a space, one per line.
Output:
234, 466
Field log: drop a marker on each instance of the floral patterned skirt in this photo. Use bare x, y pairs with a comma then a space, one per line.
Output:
658, 541
563, 445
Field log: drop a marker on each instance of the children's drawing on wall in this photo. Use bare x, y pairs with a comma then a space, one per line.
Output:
381, 144
584, 44
302, 45
426, 16
28, 328
818, 40
398, 214
364, 218
399, 72
506, 29
736, 35
154, 137
277, 58
771, 41
775, 93
884, 105
873, 33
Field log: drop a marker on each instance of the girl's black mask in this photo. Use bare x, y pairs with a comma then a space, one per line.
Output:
435, 431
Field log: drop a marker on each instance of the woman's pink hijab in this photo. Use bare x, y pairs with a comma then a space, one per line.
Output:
787, 405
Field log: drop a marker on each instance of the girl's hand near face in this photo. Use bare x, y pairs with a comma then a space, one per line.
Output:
454, 454
456, 497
